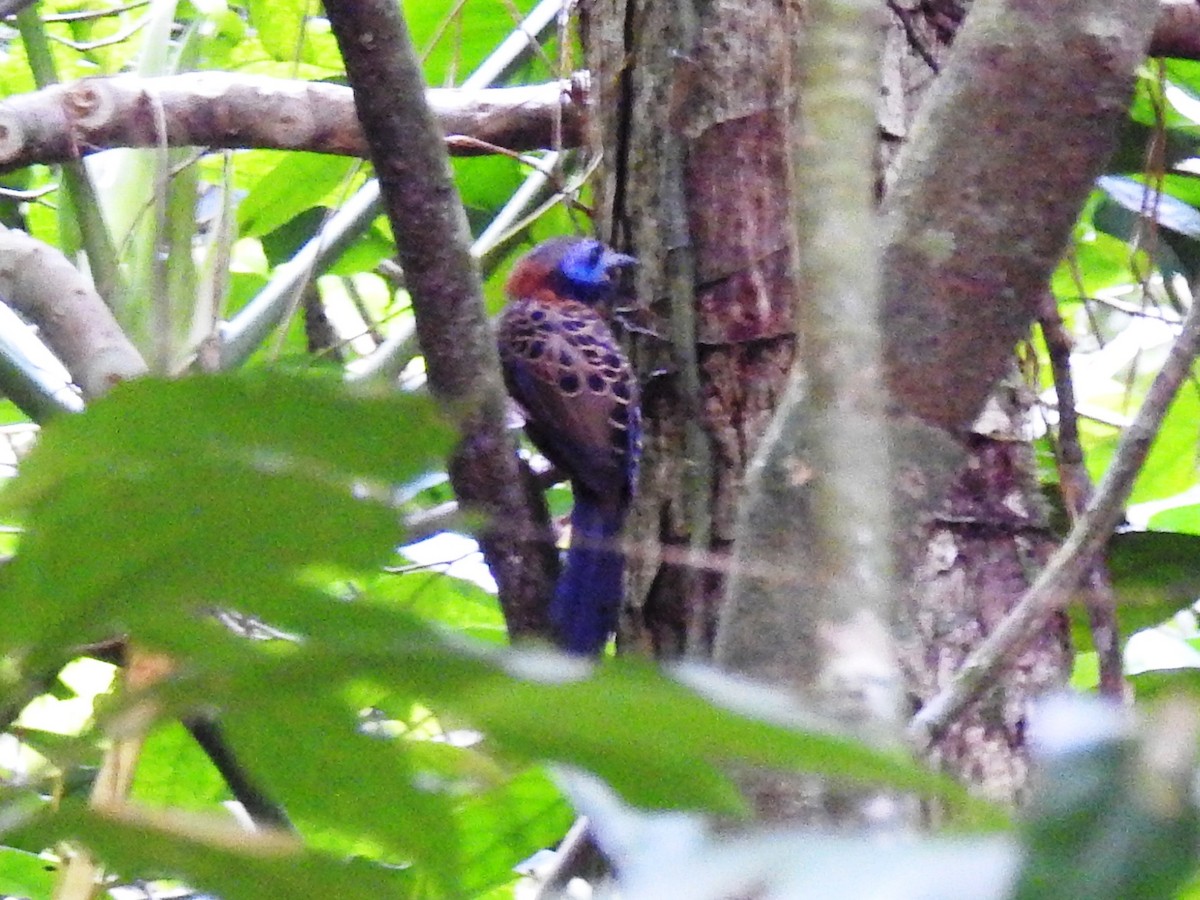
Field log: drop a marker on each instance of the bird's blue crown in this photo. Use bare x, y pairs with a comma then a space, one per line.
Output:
577, 268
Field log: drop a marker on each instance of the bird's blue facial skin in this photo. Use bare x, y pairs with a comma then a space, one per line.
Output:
585, 271
585, 267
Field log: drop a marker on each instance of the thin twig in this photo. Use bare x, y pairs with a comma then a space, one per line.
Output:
905, 17
1076, 488
93, 14
1061, 576
87, 46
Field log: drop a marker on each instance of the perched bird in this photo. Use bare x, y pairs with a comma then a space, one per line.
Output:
565, 369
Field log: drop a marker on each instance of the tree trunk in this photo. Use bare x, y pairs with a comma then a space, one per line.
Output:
692, 109
693, 113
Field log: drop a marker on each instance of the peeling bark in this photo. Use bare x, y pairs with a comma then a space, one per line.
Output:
962, 292
699, 192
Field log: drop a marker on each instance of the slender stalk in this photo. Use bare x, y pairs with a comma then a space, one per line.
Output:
79, 192
811, 597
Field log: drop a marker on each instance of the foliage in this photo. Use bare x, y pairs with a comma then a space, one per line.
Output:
271, 495
413, 761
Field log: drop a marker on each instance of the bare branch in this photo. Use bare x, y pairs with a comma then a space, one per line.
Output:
40, 283
226, 110
1076, 488
433, 241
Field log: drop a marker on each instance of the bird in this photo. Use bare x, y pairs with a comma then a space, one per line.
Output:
579, 396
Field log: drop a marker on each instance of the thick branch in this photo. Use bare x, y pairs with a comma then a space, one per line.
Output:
225, 110
1177, 32
433, 241
41, 284
962, 288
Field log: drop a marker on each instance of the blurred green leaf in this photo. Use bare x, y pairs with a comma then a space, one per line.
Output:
1154, 574
173, 771
453, 38
217, 860
449, 601
290, 33
25, 875
1096, 261
1159, 683
202, 490
1101, 823
1170, 468
505, 825
1181, 519
654, 740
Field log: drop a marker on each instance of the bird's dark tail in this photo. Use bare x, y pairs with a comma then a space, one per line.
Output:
587, 597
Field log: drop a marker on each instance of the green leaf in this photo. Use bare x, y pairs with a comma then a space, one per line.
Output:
435, 597
173, 771
1170, 468
24, 874
1156, 684
1154, 574
453, 38
327, 773
1180, 519
265, 422
508, 824
654, 740
204, 490
222, 861
299, 182
486, 183
1097, 261
280, 26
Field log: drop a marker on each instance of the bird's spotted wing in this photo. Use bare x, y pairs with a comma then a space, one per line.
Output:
562, 364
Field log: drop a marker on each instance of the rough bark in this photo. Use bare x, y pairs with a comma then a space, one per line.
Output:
982, 551
698, 191
974, 558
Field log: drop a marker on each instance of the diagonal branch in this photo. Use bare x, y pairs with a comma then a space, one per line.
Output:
38, 281
433, 241
1060, 579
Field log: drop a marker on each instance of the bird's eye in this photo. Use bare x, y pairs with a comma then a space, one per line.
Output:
595, 254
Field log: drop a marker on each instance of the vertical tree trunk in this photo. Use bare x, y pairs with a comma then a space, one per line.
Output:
983, 548
692, 110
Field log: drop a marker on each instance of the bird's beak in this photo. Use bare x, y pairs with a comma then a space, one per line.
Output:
615, 260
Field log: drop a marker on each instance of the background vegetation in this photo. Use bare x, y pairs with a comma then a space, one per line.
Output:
251, 534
